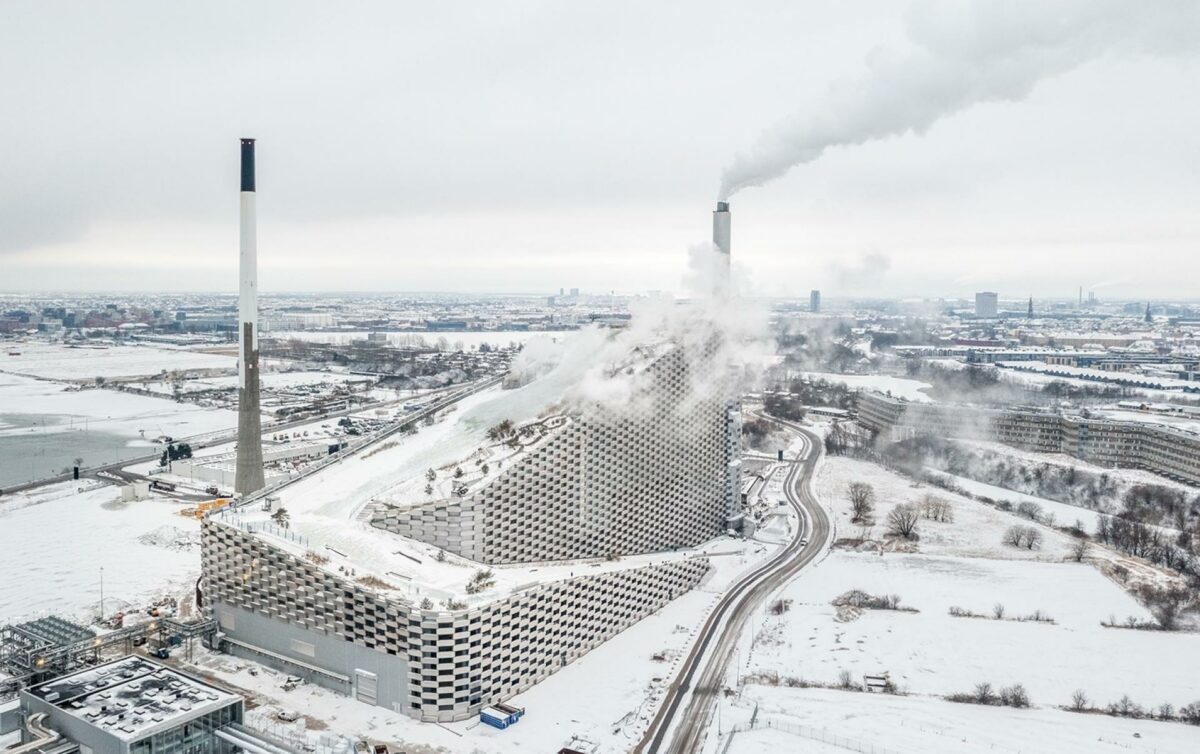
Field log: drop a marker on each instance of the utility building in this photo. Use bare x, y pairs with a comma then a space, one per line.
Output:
132, 706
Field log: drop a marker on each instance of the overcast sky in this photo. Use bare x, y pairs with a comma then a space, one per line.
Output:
524, 146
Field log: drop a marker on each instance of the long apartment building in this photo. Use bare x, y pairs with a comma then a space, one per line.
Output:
1165, 450
598, 523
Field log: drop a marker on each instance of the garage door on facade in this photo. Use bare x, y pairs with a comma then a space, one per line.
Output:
366, 686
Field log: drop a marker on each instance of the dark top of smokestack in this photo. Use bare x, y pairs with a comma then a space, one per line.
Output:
722, 206
247, 164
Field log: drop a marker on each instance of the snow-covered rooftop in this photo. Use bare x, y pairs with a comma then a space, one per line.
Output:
328, 511
132, 697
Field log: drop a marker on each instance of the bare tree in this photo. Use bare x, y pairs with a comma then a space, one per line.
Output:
1014, 696
1165, 604
1081, 550
935, 508
1028, 537
902, 521
1079, 700
984, 694
1013, 535
862, 501
998, 611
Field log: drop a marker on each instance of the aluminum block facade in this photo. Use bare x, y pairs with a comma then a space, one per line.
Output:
658, 475
453, 662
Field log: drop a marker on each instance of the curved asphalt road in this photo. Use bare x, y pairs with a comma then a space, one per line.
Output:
688, 707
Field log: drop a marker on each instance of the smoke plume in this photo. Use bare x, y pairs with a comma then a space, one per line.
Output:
724, 340
961, 54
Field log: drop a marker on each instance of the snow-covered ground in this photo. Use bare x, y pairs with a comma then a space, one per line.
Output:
55, 539
56, 361
977, 529
930, 653
1023, 372
900, 387
1064, 514
268, 380
1145, 417
1127, 476
499, 338
919, 725
60, 408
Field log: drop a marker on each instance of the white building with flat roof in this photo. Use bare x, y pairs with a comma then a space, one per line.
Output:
987, 304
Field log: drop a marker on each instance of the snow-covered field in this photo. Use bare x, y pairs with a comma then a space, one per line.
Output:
1165, 388
55, 539
268, 380
62, 409
60, 362
426, 339
913, 390
919, 725
1127, 476
930, 653
1064, 514
976, 532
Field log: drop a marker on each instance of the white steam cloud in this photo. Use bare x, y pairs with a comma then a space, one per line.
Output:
962, 54
724, 339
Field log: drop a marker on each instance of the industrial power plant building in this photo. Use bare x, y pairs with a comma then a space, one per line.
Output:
132, 706
472, 582
1169, 451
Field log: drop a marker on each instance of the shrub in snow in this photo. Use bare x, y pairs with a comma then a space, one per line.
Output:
1125, 707
860, 599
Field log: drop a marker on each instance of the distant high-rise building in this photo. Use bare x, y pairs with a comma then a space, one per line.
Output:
1030, 312
987, 304
1149, 318
814, 301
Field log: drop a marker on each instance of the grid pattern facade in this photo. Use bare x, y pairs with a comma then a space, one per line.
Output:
1157, 448
659, 476
456, 661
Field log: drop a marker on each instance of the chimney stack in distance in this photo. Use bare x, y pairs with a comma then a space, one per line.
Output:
721, 239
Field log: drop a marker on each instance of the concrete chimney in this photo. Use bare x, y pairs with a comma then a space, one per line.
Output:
249, 476
721, 238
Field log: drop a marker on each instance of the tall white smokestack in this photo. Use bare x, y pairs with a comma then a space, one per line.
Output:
249, 477
721, 238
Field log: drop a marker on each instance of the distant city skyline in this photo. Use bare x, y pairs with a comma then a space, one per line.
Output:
525, 147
